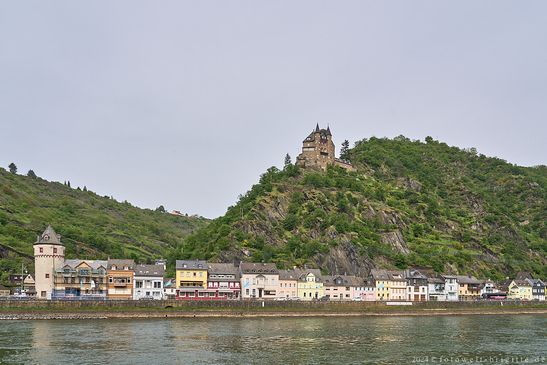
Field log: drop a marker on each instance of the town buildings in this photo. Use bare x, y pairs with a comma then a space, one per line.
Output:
120, 274
148, 282
259, 280
223, 281
520, 290
81, 279
310, 285
368, 293
288, 284
170, 289
417, 286
538, 289
191, 279
451, 288
469, 288
344, 288
119, 279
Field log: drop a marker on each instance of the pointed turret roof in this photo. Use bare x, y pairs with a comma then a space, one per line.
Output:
317, 128
328, 131
49, 237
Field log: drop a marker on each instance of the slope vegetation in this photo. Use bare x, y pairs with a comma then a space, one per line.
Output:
92, 226
409, 203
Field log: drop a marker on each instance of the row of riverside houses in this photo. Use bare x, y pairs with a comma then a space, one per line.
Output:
59, 278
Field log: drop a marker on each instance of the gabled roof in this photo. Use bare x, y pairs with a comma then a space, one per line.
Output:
536, 282
343, 280
521, 283
121, 263
49, 237
191, 265
463, 279
414, 274
305, 272
149, 270
289, 274
94, 264
223, 269
258, 268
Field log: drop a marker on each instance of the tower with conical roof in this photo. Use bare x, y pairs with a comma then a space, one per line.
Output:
49, 255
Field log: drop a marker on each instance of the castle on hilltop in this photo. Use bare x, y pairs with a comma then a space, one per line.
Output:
318, 151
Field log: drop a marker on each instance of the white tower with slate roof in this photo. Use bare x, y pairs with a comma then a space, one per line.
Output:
49, 255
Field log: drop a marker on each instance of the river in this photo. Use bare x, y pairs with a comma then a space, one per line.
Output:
509, 339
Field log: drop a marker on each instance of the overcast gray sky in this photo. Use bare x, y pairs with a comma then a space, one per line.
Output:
186, 103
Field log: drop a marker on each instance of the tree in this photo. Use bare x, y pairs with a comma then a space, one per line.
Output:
344, 151
68, 183
31, 174
12, 168
160, 209
85, 188
288, 160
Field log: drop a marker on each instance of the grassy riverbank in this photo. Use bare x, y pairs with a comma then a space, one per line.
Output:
270, 309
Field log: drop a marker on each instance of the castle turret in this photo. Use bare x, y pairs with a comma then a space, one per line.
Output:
49, 255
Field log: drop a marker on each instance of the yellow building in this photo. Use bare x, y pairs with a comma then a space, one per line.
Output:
520, 289
310, 285
191, 279
383, 283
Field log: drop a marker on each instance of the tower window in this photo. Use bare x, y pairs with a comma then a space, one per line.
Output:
47, 276
55, 250
41, 250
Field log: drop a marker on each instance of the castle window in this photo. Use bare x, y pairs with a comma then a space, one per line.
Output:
47, 276
55, 250
41, 250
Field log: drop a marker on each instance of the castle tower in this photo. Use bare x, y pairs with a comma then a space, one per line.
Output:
49, 255
318, 150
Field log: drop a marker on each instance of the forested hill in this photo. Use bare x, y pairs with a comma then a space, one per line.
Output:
410, 203
92, 226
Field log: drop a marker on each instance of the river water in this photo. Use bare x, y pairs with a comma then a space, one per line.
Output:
519, 339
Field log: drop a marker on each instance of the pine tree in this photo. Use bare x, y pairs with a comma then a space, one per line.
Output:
344, 151
12, 168
85, 188
31, 174
160, 209
288, 160
68, 183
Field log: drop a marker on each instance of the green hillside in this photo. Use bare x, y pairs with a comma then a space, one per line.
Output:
408, 204
92, 226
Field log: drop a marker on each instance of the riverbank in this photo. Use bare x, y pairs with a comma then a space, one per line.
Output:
268, 309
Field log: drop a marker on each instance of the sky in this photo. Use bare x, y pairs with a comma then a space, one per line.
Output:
186, 103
